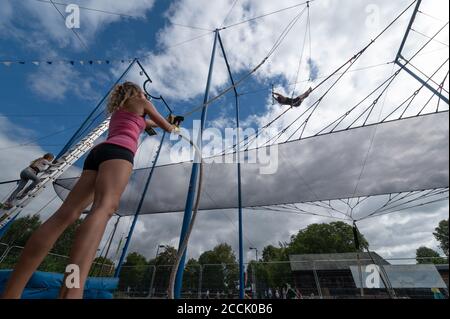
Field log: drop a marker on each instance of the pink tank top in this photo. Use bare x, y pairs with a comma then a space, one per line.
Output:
124, 129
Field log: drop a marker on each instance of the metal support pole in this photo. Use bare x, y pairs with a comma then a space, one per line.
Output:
358, 249
239, 181
138, 210
408, 30
194, 177
67, 146
200, 280
421, 81
316, 278
152, 281
150, 293
109, 244
255, 295
400, 56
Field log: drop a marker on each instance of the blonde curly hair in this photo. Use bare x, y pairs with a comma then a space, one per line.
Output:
120, 94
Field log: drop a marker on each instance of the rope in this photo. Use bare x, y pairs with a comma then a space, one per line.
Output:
356, 56
426, 36
38, 139
10, 182
265, 15
441, 86
72, 29
90, 9
191, 27
244, 78
302, 52
185, 242
229, 13
372, 139
412, 97
320, 77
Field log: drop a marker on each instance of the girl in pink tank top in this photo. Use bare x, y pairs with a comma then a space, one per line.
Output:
106, 173
125, 128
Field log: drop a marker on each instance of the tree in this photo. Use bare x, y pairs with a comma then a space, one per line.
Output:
21, 230
64, 243
220, 269
441, 235
337, 237
191, 276
426, 255
17, 235
330, 238
272, 253
162, 268
102, 267
135, 274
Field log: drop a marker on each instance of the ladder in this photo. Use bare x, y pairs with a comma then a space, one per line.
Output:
55, 171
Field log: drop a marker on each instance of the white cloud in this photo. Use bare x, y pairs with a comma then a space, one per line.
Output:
339, 30
45, 23
54, 82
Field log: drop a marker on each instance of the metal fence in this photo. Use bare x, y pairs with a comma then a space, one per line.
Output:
313, 279
278, 280
9, 256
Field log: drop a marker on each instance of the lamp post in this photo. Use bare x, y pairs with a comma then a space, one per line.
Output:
256, 250
254, 274
152, 281
157, 250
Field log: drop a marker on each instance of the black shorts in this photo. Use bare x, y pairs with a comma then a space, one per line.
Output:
106, 152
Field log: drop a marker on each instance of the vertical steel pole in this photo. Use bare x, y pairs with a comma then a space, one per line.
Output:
411, 22
316, 278
194, 177
239, 181
200, 281
138, 210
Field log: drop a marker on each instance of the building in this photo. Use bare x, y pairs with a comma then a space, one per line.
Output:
343, 275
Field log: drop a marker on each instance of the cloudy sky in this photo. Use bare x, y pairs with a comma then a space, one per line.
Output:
43, 105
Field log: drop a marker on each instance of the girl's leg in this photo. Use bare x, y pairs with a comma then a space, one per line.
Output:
31, 176
23, 182
45, 236
112, 179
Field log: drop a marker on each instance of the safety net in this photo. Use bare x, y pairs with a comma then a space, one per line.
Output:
325, 167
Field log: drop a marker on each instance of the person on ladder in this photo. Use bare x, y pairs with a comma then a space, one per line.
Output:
296, 102
29, 174
106, 172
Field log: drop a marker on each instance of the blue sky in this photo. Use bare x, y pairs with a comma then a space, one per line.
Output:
38, 101
123, 39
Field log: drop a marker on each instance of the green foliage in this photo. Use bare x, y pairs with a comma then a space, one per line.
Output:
330, 238
162, 266
102, 267
135, 274
441, 235
21, 230
65, 241
426, 255
191, 275
220, 269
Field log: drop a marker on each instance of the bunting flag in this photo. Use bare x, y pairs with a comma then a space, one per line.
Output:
65, 62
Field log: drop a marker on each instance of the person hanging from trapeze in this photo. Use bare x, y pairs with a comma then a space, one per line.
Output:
30, 173
106, 173
296, 102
